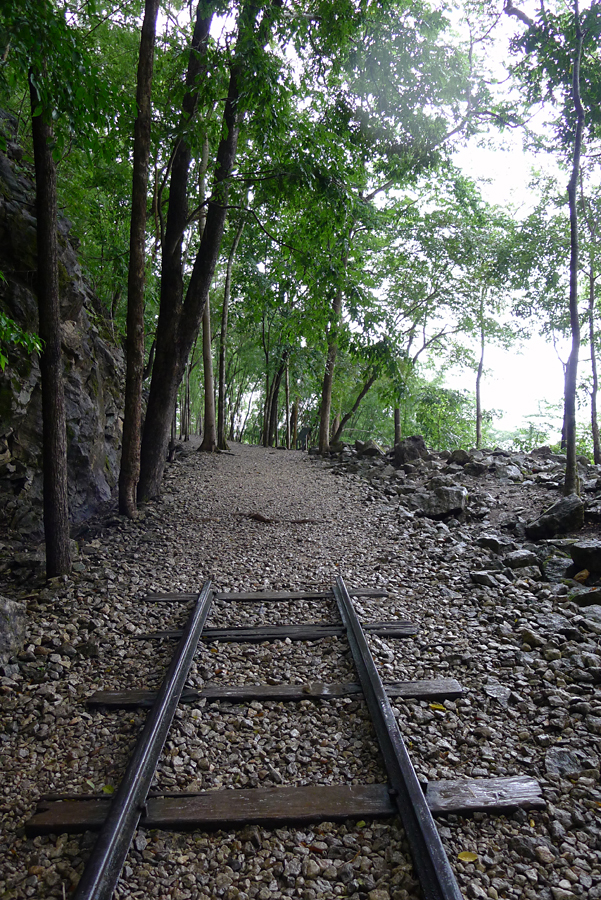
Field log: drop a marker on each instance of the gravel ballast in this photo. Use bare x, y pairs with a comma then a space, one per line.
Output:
526, 654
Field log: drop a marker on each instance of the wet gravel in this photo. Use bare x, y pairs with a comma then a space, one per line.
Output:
526, 654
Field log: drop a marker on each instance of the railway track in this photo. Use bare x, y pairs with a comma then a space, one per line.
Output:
134, 803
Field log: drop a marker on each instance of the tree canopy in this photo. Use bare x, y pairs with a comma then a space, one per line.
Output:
301, 182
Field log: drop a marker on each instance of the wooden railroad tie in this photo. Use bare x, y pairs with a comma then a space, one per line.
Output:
435, 689
263, 596
287, 805
257, 634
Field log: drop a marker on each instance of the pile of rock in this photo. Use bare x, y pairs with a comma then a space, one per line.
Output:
448, 485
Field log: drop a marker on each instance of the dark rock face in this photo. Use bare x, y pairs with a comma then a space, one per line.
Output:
565, 515
94, 368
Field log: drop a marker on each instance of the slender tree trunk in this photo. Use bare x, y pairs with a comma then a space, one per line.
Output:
372, 378
221, 441
187, 404
335, 426
54, 447
172, 438
295, 423
209, 441
273, 410
287, 385
267, 413
571, 481
594, 243
397, 425
246, 418
328, 379
595, 384
479, 382
134, 346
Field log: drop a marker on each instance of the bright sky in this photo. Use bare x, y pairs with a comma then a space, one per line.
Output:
516, 380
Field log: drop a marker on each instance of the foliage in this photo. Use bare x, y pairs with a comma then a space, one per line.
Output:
12, 335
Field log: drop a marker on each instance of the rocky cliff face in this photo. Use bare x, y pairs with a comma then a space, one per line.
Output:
94, 368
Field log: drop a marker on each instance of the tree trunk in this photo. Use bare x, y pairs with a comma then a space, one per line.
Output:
571, 481
187, 403
595, 384
335, 426
270, 429
134, 345
287, 386
54, 447
267, 412
221, 441
594, 243
328, 378
209, 441
479, 382
372, 378
295, 423
397, 425
172, 437
273, 410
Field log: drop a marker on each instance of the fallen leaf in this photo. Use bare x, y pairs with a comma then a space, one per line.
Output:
467, 856
108, 789
438, 706
582, 576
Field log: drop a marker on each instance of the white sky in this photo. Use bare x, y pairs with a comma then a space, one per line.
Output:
517, 379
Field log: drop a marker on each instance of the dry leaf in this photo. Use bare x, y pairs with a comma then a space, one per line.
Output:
467, 856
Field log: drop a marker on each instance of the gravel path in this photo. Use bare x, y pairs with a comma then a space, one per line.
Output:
532, 704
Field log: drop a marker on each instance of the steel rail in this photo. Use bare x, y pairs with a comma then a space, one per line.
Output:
429, 858
108, 855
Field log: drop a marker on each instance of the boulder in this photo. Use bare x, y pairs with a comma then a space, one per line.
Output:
459, 456
555, 568
587, 555
410, 449
565, 515
565, 762
484, 578
13, 622
532, 572
442, 502
520, 558
507, 472
370, 448
476, 467
496, 543
586, 598
547, 454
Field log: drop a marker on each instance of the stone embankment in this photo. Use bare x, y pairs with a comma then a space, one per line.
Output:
515, 620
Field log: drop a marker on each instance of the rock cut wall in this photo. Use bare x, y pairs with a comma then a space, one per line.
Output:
94, 368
